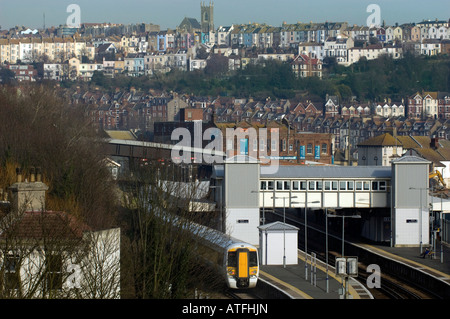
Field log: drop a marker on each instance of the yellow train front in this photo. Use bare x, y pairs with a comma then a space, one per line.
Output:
241, 266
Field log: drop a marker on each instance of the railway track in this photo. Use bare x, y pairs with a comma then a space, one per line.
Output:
390, 287
240, 294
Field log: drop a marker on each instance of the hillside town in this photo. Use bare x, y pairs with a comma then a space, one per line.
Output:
69, 52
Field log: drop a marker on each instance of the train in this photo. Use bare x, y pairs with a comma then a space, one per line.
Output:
237, 261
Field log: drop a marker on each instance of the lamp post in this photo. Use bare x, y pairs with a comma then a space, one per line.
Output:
343, 228
420, 213
306, 233
284, 228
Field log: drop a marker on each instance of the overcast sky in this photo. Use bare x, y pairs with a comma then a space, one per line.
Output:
169, 13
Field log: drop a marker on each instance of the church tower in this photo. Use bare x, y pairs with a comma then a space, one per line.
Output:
207, 18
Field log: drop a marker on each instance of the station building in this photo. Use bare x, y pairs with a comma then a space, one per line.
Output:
393, 202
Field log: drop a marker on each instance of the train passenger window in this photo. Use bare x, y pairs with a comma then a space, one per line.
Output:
279, 185
319, 185
382, 185
303, 185
366, 186
358, 186
327, 185
350, 185
295, 185
334, 185
270, 185
374, 186
263, 185
287, 185
252, 259
311, 185
342, 185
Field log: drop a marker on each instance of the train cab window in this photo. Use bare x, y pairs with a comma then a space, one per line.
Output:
270, 185
342, 185
359, 186
350, 185
334, 185
319, 185
303, 185
263, 185
252, 259
287, 185
374, 186
311, 185
366, 186
295, 185
232, 260
279, 185
327, 185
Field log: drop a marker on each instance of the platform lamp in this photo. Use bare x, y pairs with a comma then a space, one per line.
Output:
284, 228
306, 233
343, 228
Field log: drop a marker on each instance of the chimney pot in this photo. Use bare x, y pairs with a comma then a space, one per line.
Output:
32, 175
38, 174
19, 175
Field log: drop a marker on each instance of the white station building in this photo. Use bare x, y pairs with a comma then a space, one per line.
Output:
393, 201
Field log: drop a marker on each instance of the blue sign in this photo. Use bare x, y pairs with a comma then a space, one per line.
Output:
317, 152
243, 146
302, 151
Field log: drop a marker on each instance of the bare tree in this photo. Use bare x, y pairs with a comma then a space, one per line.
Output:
163, 253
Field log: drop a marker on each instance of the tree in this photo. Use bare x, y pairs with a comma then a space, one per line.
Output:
58, 138
161, 253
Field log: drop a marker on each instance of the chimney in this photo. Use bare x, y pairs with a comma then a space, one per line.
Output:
28, 196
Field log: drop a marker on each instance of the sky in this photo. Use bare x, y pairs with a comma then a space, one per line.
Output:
170, 13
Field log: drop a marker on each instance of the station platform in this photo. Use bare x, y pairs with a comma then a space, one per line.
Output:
291, 279
437, 264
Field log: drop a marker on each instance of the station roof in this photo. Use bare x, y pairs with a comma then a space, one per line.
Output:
297, 171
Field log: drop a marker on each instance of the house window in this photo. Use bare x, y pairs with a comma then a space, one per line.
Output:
327, 185
263, 185
287, 185
274, 145
12, 272
53, 276
295, 185
303, 185
270, 185
324, 148
309, 148
311, 185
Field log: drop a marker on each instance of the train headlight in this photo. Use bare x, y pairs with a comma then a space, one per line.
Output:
253, 271
231, 271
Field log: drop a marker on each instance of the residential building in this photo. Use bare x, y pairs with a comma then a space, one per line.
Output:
305, 66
